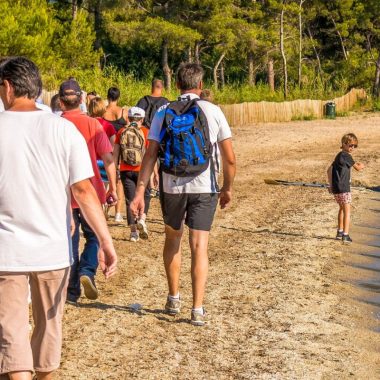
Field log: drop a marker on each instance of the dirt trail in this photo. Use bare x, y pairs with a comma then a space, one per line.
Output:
278, 299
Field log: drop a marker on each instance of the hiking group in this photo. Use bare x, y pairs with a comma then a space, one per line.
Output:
69, 168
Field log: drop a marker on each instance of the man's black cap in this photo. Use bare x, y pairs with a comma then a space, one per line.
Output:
69, 87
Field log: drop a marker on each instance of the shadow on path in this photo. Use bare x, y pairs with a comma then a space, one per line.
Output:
137, 309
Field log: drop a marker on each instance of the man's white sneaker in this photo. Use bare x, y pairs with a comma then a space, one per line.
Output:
143, 229
119, 218
134, 237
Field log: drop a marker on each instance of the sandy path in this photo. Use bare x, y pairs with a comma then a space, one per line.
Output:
279, 302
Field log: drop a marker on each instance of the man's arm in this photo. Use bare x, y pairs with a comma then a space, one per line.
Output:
116, 155
112, 140
147, 166
110, 167
87, 199
229, 170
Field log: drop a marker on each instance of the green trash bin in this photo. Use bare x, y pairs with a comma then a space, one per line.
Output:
330, 110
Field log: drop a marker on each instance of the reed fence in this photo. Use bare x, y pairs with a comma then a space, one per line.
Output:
263, 112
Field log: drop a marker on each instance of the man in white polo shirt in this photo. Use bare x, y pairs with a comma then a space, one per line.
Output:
39, 164
189, 199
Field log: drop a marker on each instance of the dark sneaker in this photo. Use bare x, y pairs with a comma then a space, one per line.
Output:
71, 300
89, 287
339, 235
197, 318
346, 239
173, 307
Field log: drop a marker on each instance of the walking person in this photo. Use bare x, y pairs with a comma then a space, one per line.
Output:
151, 103
116, 116
339, 177
190, 134
83, 269
35, 246
96, 109
130, 146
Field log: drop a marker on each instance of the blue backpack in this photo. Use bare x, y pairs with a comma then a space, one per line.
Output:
185, 147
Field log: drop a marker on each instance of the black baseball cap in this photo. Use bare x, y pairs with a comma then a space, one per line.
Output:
70, 87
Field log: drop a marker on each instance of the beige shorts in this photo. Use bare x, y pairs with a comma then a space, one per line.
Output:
48, 291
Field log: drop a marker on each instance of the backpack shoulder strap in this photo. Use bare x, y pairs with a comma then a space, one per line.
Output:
148, 100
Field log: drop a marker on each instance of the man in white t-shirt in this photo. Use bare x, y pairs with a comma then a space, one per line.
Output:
39, 164
191, 199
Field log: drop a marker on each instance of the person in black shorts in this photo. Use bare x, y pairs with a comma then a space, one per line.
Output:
151, 103
116, 115
189, 200
339, 177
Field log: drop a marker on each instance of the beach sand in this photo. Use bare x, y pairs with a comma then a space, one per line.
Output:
281, 295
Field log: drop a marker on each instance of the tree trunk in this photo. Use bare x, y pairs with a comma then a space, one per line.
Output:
222, 78
196, 52
165, 65
283, 53
215, 71
345, 54
300, 44
251, 70
320, 71
271, 74
189, 55
376, 83
74, 9
98, 24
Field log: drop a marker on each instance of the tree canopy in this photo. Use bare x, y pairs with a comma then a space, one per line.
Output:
295, 44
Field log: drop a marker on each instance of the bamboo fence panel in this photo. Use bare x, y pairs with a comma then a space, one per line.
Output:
47, 95
264, 112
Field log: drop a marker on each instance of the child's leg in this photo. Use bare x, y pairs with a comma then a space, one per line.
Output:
340, 218
346, 218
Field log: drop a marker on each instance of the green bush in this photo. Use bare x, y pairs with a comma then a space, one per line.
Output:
132, 89
375, 105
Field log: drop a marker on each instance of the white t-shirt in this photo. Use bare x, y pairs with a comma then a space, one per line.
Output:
41, 156
219, 131
43, 107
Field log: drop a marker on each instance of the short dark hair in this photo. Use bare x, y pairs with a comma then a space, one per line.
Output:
113, 94
54, 103
23, 75
189, 75
157, 83
71, 102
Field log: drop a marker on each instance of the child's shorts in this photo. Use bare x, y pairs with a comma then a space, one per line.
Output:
343, 198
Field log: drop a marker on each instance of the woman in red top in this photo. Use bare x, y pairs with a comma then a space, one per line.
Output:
130, 145
97, 109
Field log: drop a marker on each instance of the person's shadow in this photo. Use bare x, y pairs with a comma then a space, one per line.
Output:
135, 308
